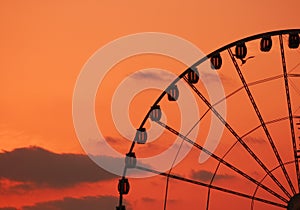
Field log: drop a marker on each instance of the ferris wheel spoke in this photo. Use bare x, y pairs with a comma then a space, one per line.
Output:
293, 75
241, 141
221, 189
282, 197
288, 99
257, 187
262, 123
221, 160
208, 198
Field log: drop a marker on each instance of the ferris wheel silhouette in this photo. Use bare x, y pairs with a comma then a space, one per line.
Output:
256, 165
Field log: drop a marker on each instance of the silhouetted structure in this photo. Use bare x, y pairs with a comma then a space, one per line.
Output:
287, 198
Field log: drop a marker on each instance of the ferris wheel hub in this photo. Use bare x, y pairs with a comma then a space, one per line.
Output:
294, 203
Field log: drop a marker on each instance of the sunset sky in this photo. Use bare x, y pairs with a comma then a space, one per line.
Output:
43, 48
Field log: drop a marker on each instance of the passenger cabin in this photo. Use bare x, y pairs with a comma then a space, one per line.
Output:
123, 186
294, 40
240, 50
130, 160
173, 93
216, 61
141, 136
155, 113
193, 75
266, 44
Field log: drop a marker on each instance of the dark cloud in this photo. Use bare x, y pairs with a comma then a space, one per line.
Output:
152, 75
206, 176
38, 167
90, 203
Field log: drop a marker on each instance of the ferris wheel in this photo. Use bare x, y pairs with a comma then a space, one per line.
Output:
256, 165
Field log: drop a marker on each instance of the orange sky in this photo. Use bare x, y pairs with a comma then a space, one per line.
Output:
44, 45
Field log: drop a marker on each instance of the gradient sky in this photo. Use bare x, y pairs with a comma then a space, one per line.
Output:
43, 47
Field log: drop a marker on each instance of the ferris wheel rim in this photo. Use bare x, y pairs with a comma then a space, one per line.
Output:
219, 50
203, 59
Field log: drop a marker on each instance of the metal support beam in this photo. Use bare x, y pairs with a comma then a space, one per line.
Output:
241, 141
277, 155
288, 100
221, 160
212, 187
